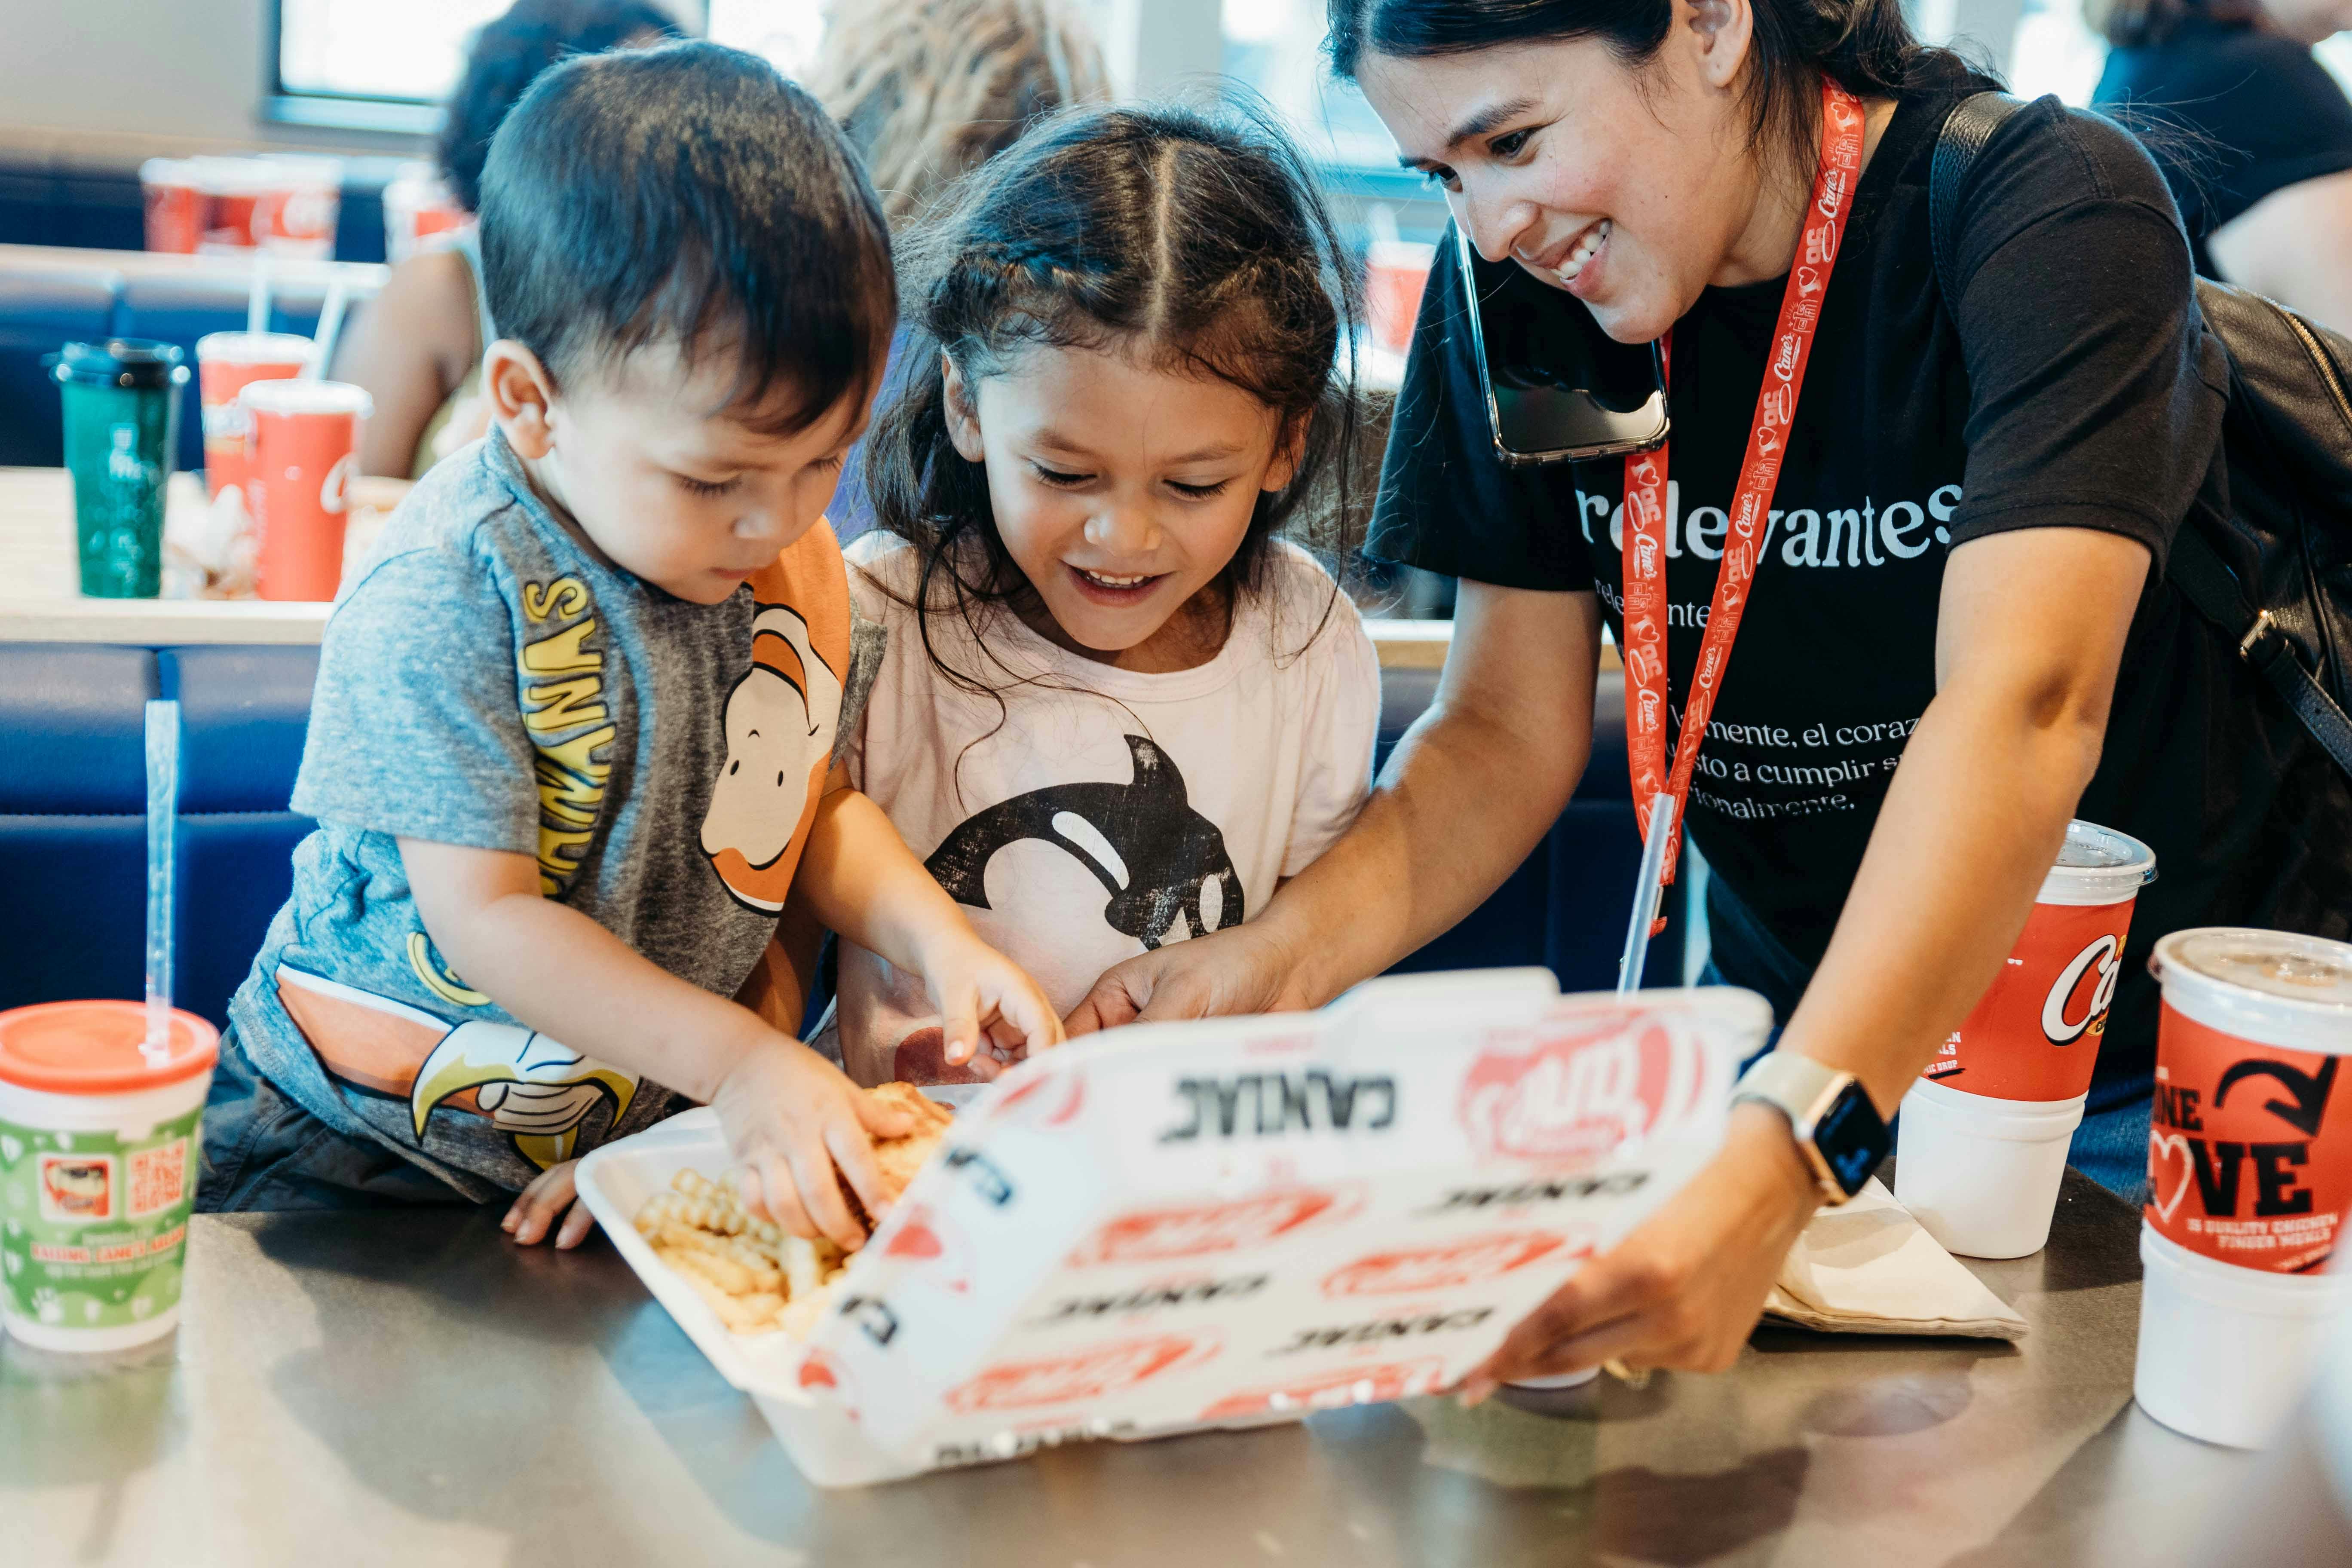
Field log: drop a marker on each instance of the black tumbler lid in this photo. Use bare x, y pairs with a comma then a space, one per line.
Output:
122, 362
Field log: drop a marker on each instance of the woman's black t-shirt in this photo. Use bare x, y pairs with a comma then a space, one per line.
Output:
2076, 389
2233, 113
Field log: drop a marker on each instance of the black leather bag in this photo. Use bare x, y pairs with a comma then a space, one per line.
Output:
2276, 577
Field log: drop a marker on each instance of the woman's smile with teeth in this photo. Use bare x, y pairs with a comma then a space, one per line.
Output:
1587, 248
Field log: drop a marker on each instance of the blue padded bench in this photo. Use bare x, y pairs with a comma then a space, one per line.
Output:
41, 310
73, 830
73, 833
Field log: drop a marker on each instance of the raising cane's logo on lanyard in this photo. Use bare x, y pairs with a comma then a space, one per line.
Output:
1646, 492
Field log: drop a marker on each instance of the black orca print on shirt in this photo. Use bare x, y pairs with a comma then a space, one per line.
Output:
1143, 841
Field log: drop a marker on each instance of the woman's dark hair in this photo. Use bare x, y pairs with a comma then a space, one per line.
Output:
689, 194
1192, 238
1865, 46
508, 55
2143, 24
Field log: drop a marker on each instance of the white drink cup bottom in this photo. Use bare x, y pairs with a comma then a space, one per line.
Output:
1981, 1175
2225, 1351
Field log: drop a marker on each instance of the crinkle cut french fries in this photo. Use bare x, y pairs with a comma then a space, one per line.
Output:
756, 1277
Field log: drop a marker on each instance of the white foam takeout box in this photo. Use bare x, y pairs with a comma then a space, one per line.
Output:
1225, 1223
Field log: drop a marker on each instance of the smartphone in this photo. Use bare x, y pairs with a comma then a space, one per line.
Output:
1558, 388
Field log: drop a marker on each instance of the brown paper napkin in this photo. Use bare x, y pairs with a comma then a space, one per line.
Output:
1867, 1267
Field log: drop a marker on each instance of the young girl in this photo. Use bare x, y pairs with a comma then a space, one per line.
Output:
1116, 709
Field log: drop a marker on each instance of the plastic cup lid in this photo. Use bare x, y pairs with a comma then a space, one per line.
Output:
122, 362
93, 1048
255, 348
2269, 980
298, 396
2098, 866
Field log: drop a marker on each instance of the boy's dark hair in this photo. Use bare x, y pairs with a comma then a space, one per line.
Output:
1193, 239
508, 52
689, 192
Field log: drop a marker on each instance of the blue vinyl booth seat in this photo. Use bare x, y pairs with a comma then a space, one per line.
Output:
73, 852
73, 830
42, 310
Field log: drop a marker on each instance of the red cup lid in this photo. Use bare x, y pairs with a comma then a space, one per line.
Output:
93, 1048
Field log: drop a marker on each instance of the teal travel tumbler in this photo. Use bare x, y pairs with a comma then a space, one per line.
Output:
122, 422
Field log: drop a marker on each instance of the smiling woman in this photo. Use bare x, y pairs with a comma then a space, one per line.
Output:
1931, 524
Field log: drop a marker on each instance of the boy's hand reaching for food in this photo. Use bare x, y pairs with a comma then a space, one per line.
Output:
550, 1195
991, 1012
791, 1119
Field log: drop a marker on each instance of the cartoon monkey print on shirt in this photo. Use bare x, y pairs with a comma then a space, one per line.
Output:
781, 720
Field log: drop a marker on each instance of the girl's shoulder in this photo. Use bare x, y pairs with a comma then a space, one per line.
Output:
883, 571
1302, 612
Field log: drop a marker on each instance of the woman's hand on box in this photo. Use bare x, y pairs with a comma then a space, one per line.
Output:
791, 1117
552, 1196
1686, 1287
1245, 970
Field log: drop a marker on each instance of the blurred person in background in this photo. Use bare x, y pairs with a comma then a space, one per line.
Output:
929, 90
418, 348
2253, 134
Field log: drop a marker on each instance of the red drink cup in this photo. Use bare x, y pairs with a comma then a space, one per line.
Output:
227, 363
2250, 1176
305, 447
1982, 1146
1395, 272
416, 206
295, 206
176, 205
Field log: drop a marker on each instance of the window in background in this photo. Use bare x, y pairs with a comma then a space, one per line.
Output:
2055, 51
1276, 46
783, 32
408, 53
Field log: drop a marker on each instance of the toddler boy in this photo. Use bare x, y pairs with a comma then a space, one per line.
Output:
573, 740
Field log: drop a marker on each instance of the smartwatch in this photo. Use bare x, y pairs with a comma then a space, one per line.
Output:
1837, 1129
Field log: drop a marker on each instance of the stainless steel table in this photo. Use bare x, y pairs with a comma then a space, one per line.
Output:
411, 1388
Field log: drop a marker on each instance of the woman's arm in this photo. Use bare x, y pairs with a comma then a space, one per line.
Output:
410, 349
2030, 635
2295, 246
1470, 790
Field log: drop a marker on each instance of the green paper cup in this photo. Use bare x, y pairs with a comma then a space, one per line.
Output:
98, 1146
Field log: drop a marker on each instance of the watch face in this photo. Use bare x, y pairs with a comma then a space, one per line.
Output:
1852, 1137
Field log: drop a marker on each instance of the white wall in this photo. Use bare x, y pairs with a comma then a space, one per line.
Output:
107, 79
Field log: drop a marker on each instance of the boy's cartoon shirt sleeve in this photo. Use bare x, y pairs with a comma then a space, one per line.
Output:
490, 683
434, 750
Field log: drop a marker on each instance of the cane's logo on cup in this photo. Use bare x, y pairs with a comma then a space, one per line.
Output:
1093, 1373
1343, 1385
77, 1189
1444, 1268
1576, 1092
2101, 963
1197, 1231
335, 489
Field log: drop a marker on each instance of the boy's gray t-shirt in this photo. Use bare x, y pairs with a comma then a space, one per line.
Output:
486, 682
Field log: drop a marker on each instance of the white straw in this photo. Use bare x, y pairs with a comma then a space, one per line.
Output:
331, 327
1646, 892
162, 811
256, 304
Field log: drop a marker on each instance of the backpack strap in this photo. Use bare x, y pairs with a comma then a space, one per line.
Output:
2194, 566
1966, 131
2207, 583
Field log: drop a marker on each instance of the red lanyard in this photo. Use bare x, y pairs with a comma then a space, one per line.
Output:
1645, 497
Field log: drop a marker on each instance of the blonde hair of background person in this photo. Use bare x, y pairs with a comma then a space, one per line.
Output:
929, 89
2293, 245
